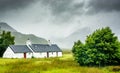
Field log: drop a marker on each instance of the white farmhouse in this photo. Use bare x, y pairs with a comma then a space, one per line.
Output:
32, 50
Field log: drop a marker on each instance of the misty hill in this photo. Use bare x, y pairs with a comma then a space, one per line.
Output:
6, 27
20, 39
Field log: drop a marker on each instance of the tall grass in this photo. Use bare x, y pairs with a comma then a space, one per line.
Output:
65, 64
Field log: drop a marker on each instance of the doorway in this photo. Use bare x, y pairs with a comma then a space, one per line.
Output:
25, 55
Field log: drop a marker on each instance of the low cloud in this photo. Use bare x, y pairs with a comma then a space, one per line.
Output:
13, 4
96, 6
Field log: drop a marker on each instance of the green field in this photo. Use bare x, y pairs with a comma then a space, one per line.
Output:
65, 64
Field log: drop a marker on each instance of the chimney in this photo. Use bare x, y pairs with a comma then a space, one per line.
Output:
28, 42
49, 43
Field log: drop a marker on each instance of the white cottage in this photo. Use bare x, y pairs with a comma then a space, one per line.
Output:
17, 51
32, 50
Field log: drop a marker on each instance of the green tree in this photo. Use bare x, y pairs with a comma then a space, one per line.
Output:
101, 48
78, 50
6, 39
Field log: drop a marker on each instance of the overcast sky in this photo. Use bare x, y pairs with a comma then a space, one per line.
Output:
61, 21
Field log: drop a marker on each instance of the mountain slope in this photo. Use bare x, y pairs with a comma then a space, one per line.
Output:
6, 27
20, 39
79, 34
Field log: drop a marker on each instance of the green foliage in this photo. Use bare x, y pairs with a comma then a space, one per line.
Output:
5, 40
101, 48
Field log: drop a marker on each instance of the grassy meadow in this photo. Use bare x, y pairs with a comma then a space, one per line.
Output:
65, 64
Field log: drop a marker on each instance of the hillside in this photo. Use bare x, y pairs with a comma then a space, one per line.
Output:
20, 38
6, 27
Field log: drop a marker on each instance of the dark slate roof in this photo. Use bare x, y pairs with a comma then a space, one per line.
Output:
45, 48
20, 48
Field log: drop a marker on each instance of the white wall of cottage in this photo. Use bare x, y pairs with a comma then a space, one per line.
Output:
10, 54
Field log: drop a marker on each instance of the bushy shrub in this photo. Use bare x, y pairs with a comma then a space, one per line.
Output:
101, 48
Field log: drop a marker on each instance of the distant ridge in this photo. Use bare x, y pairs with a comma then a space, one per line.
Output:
20, 39
6, 27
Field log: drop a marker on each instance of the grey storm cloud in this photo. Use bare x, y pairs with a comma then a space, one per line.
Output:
96, 6
69, 8
64, 10
57, 6
60, 7
6, 5
64, 7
